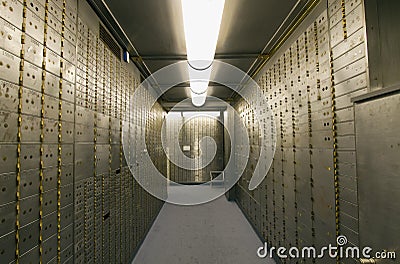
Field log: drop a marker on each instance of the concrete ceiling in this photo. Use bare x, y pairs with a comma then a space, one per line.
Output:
155, 28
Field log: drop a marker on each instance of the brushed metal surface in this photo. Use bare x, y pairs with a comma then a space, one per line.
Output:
10, 38
8, 216
53, 40
49, 202
52, 62
9, 66
50, 248
12, 11
49, 225
34, 26
377, 167
55, 10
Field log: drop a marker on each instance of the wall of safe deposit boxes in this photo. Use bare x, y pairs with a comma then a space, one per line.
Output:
192, 131
310, 194
66, 194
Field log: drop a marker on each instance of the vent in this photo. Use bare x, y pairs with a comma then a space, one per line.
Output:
110, 42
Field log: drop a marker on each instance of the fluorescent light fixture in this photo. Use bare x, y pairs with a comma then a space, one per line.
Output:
198, 87
198, 99
202, 21
191, 114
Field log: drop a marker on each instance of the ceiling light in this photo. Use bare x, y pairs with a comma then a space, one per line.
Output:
202, 21
198, 99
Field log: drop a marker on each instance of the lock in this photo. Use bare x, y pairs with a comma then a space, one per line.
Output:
102, 136
323, 54
83, 153
30, 129
355, 83
28, 237
69, 52
322, 23
80, 91
50, 107
9, 67
337, 35
68, 91
349, 57
10, 38
84, 133
70, 37
33, 51
29, 156
8, 155
32, 76
8, 96
67, 132
67, 174
67, 195
72, 4
334, 6
53, 22
12, 11
82, 46
49, 202
34, 26
7, 194
29, 210
81, 80
67, 216
49, 225
49, 249
53, 40
69, 72
8, 246
70, 24
51, 85
50, 178
336, 17
68, 112
81, 75
67, 254
82, 28
8, 127
52, 62
55, 10
350, 71
71, 14
49, 156
67, 154
354, 20
36, 7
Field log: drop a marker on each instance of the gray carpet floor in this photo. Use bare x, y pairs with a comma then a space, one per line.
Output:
211, 233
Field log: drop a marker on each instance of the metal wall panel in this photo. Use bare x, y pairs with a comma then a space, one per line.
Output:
52, 152
378, 150
310, 82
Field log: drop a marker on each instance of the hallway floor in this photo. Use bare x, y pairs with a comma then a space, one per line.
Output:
212, 233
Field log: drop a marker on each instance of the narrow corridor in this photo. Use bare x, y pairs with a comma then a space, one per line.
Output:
216, 232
